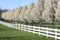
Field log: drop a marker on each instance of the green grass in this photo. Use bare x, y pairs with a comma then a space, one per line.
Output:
55, 25
43, 25
7, 33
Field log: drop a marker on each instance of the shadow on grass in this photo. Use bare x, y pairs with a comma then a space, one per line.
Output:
19, 38
12, 38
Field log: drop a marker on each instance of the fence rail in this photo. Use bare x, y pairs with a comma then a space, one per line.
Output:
49, 32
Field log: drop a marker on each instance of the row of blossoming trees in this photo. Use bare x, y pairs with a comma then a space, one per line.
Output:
42, 10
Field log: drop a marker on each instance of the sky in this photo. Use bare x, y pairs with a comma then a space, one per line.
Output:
12, 4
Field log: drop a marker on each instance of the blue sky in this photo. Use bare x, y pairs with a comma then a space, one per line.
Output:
11, 4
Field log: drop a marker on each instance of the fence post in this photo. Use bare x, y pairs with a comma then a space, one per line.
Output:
19, 26
25, 27
34, 29
56, 34
13, 26
47, 32
16, 26
39, 30
10, 24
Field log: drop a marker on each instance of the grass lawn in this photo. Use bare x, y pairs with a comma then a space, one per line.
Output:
43, 25
7, 33
55, 25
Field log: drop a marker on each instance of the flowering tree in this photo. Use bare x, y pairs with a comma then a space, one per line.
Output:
22, 13
39, 7
48, 11
58, 11
28, 14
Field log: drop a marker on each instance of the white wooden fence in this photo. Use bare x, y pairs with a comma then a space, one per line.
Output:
49, 32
